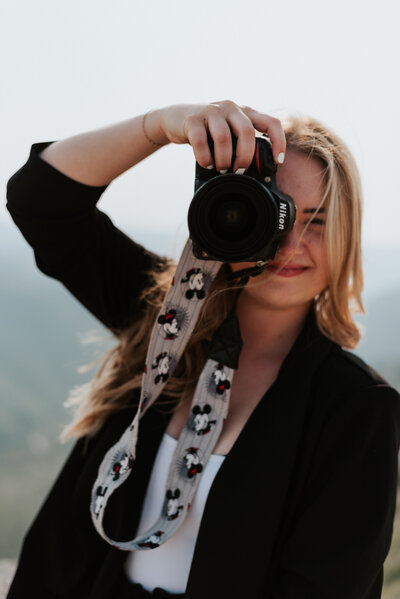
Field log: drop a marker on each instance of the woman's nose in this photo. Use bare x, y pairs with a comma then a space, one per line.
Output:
290, 241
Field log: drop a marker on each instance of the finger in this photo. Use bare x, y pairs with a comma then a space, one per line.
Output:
271, 125
222, 137
197, 136
244, 131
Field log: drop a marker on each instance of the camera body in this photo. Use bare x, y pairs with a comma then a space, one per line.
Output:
240, 218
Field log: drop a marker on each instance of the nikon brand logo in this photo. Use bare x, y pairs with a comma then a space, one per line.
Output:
282, 216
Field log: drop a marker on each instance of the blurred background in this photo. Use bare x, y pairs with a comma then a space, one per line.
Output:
71, 67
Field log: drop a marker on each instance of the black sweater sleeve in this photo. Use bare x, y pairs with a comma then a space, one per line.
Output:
76, 243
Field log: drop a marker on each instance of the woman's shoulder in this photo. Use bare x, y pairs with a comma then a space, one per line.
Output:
345, 374
349, 393
352, 365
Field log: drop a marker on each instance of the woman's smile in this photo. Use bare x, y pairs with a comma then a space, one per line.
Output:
286, 270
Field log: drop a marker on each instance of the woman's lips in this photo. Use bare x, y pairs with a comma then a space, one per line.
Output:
288, 270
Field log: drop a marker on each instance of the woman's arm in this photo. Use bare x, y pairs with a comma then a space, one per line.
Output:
76, 243
97, 157
53, 197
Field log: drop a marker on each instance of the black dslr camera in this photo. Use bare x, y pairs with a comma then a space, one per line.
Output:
239, 218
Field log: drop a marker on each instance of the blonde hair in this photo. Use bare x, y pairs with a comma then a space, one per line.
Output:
335, 305
116, 385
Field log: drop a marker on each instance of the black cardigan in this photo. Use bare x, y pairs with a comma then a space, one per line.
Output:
304, 503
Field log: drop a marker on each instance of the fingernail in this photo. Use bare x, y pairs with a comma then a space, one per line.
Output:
224, 171
240, 171
281, 157
210, 166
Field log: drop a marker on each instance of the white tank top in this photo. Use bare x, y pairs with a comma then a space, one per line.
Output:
168, 566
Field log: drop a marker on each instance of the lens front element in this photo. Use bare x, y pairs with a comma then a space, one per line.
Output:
234, 217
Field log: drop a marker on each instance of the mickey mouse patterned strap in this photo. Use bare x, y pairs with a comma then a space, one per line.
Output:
209, 408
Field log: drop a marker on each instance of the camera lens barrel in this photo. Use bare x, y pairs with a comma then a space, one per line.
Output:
234, 218
239, 218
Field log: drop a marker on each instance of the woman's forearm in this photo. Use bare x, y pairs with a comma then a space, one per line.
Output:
99, 156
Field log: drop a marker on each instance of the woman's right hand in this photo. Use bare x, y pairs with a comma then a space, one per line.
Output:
190, 123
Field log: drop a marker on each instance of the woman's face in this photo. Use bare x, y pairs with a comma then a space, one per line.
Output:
299, 270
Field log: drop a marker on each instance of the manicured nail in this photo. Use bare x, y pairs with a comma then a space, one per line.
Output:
281, 158
240, 171
210, 166
224, 171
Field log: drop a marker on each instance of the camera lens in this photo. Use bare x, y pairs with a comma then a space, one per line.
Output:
232, 218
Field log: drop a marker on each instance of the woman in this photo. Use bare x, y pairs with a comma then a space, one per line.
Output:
301, 484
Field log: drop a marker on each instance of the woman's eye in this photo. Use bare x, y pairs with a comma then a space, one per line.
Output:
315, 221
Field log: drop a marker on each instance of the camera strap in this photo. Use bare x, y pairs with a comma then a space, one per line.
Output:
170, 335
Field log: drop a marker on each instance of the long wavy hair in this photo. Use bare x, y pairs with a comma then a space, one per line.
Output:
116, 384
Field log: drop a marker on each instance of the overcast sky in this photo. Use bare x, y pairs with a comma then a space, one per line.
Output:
68, 67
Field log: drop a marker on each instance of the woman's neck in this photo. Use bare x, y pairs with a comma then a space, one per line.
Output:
269, 333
